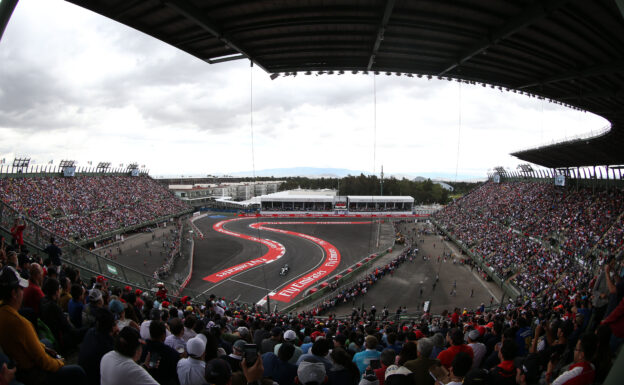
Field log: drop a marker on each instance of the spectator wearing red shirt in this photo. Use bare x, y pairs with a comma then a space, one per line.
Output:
455, 317
33, 293
17, 232
456, 338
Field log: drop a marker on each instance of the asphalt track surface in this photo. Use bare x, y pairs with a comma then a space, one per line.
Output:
403, 287
218, 251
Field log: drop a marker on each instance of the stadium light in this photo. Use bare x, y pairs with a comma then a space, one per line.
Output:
102, 166
67, 163
20, 163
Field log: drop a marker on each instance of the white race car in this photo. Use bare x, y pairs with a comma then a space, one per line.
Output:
284, 270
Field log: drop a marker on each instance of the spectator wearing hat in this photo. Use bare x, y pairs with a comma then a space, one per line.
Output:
477, 347
96, 303
98, 341
34, 361
291, 337
192, 370
278, 367
362, 359
398, 375
165, 373
268, 344
119, 365
582, 371
33, 293
311, 372
420, 366
456, 338
235, 358
119, 309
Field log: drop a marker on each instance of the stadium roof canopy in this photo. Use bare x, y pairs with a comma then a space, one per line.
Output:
570, 51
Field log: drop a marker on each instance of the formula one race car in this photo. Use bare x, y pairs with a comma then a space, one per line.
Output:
284, 270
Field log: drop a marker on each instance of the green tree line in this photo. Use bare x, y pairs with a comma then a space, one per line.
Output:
425, 192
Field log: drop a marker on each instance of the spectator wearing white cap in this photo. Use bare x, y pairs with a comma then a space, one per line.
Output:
191, 370
311, 373
290, 337
477, 347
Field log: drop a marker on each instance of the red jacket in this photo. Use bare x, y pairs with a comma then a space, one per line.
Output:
581, 373
615, 320
446, 356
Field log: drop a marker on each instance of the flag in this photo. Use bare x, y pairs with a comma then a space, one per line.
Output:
120, 164
89, 163
50, 162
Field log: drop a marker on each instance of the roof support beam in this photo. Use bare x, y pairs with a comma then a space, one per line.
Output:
6, 10
530, 15
196, 15
380, 32
602, 69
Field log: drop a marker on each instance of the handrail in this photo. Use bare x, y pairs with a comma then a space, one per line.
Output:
88, 262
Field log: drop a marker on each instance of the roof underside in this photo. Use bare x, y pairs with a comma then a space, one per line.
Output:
571, 51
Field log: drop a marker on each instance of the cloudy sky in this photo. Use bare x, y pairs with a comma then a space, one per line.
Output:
76, 85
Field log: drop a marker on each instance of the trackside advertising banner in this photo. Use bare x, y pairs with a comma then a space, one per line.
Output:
276, 250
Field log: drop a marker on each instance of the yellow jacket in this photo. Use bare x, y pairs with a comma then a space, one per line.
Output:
20, 342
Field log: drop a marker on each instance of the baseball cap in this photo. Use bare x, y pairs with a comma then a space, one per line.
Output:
100, 279
276, 331
95, 295
474, 334
11, 278
419, 334
311, 372
239, 345
243, 331
218, 371
290, 335
196, 346
396, 370
115, 306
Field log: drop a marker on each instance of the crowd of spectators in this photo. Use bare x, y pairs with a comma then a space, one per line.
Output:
354, 290
537, 234
122, 335
84, 207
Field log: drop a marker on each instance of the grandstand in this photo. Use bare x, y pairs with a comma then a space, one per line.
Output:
554, 245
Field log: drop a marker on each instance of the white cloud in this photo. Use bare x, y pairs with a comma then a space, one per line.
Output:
76, 85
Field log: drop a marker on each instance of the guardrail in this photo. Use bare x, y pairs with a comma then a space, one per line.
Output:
346, 279
90, 264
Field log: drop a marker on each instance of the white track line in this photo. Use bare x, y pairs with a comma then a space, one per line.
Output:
283, 284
